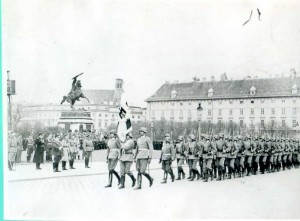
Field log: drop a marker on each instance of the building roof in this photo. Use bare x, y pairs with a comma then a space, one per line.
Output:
233, 89
98, 96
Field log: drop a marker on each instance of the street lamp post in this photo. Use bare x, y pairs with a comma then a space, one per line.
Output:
10, 92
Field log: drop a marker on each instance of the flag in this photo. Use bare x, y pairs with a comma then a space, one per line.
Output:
124, 124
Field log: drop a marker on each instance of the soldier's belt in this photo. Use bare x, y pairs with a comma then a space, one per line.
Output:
143, 149
166, 154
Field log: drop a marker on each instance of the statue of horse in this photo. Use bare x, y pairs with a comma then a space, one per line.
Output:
75, 94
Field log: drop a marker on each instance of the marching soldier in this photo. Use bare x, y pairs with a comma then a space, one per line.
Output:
290, 153
57, 152
193, 150
285, 152
279, 152
221, 155
126, 160
49, 147
214, 160
256, 155
143, 157
88, 148
180, 157
240, 156
166, 158
267, 149
248, 153
232, 157
208, 150
19, 149
113, 147
38, 157
30, 147
273, 155
74, 143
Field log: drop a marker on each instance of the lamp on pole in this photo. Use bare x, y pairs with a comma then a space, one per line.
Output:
10, 91
199, 109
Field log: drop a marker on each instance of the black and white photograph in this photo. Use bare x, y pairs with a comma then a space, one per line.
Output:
151, 110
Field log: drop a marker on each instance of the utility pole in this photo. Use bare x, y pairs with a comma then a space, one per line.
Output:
10, 92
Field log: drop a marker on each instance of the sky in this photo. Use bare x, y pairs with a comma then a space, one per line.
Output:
146, 43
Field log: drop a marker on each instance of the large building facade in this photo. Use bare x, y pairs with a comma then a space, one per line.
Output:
103, 109
250, 102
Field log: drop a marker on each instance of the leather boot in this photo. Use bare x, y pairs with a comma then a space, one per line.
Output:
198, 174
53, 165
122, 186
139, 182
223, 173
172, 175
219, 174
149, 178
229, 172
190, 174
118, 177
164, 180
64, 165
56, 167
109, 180
132, 178
179, 174
205, 176
183, 174
193, 174
215, 172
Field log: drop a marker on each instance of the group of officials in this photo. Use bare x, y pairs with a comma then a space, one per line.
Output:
58, 148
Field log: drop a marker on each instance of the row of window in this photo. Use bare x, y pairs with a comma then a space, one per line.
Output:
113, 115
209, 112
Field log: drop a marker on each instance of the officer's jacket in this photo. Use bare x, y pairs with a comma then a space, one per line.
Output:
286, 148
12, 143
73, 145
267, 147
208, 150
260, 148
127, 150
88, 145
254, 145
167, 151
19, 144
193, 149
144, 148
241, 148
247, 145
273, 147
180, 149
30, 143
280, 147
221, 148
113, 147
291, 147
40, 145
56, 148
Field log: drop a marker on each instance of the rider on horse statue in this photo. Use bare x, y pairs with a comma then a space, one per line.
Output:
75, 92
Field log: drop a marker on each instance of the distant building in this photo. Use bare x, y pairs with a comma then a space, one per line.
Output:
251, 102
103, 110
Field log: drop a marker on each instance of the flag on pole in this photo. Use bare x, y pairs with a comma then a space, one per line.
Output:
124, 124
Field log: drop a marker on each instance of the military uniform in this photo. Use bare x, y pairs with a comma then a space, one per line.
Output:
232, 158
208, 150
12, 151
65, 152
57, 155
285, 151
143, 156
74, 143
222, 150
290, 154
180, 149
249, 154
166, 158
88, 148
240, 156
126, 160
30, 148
193, 149
256, 155
113, 148
19, 149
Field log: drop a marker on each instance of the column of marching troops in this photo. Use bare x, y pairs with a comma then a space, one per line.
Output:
218, 157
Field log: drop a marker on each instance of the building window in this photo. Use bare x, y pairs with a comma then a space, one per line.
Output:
272, 123
262, 111
294, 101
272, 100
241, 102
220, 102
252, 110
139, 116
283, 110
241, 111
189, 119
172, 113
283, 100
112, 115
262, 123
262, 101
190, 112
230, 101
99, 115
294, 123
273, 110
132, 116
283, 123
181, 103
162, 113
294, 110
153, 113
190, 103
230, 111
209, 102
209, 112
252, 102
241, 123
172, 103
220, 111
105, 115
181, 113
99, 124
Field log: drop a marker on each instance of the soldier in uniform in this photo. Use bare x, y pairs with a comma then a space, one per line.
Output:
214, 160
57, 152
12, 150
143, 157
221, 156
248, 153
166, 158
285, 152
38, 157
65, 151
290, 153
49, 147
180, 149
113, 148
208, 150
126, 160
267, 149
88, 148
279, 151
295, 153
193, 149
256, 155
273, 155
30, 147
240, 156
232, 157
19, 148
74, 143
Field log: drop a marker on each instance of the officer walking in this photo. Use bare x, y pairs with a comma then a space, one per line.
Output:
88, 148
30, 147
38, 157
57, 152
180, 149
208, 151
193, 149
166, 158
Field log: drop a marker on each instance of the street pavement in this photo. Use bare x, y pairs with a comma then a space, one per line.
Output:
77, 194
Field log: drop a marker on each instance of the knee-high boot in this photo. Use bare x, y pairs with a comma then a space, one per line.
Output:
172, 174
122, 186
117, 175
109, 180
179, 173
149, 178
139, 182
183, 174
132, 178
